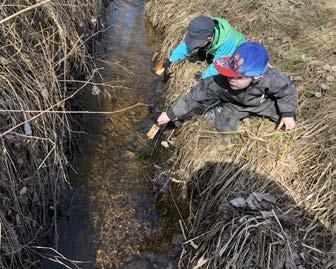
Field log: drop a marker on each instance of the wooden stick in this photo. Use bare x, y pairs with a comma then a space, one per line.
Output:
153, 131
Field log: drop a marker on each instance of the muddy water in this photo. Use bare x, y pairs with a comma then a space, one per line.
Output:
113, 221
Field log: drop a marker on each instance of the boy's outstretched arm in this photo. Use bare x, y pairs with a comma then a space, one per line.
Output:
196, 97
179, 53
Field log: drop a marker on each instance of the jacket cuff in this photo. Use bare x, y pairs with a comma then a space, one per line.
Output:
171, 115
287, 114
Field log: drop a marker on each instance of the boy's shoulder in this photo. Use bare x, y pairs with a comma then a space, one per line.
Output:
274, 77
274, 72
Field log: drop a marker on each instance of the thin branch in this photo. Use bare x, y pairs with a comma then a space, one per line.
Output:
72, 111
24, 10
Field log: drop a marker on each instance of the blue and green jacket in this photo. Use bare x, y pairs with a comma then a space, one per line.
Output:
226, 40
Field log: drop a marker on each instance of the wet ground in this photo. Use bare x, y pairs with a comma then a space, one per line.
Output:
114, 221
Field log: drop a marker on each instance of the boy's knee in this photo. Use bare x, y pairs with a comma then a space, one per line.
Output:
227, 118
226, 122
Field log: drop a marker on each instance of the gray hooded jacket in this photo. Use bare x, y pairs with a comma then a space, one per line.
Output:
273, 87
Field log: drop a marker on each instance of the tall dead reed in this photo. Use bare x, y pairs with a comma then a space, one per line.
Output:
42, 51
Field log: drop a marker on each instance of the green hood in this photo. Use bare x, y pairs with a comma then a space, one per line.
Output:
224, 33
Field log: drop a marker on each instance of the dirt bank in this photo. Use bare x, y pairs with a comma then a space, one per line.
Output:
42, 54
296, 170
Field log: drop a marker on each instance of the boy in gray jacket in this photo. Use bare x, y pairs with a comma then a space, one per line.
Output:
245, 86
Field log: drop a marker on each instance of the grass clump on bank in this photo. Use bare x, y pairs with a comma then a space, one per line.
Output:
42, 52
295, 228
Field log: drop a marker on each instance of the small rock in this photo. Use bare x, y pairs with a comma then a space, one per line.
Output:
27, 128
238, 202
95, 90
333, 68
130, 154
330, 78
252, 203
324, 86
165, 144
23, 190
317, 94
266, 214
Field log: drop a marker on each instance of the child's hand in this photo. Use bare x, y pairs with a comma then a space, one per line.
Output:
163, 119
288, 123
198, 75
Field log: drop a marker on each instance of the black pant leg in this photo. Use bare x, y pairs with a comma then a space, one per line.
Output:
227, 118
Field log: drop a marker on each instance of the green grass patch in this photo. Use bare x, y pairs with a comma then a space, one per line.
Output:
305, 92
294, 65
305, 112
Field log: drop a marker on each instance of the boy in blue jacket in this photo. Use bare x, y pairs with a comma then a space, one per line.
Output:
214, 36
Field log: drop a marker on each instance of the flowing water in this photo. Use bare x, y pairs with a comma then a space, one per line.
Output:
113, 219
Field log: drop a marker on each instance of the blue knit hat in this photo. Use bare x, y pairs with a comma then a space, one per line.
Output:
248, 60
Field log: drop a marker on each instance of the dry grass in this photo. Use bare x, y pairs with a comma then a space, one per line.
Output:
296, 168
41, 53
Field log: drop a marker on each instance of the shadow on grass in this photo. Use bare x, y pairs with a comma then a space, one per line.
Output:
241, 219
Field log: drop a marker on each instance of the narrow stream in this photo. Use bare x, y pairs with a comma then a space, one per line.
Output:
113, 221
